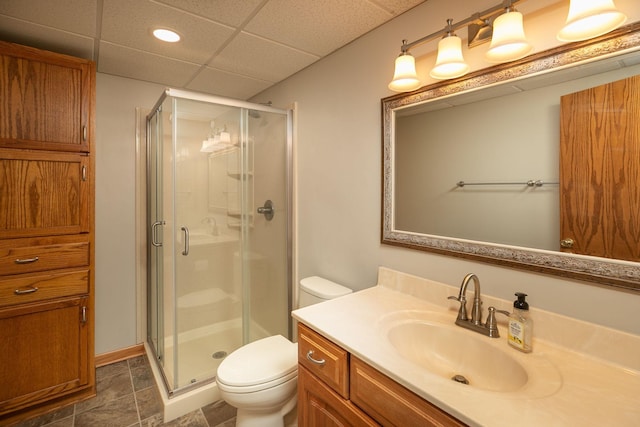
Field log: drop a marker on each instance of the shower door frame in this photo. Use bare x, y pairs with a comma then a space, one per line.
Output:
243, 106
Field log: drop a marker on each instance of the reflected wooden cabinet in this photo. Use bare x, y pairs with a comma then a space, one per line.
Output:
47, 104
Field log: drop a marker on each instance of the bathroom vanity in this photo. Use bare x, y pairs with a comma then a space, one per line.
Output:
335, 385
386, 355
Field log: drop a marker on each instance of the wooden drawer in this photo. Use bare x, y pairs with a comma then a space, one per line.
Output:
391, 404
18, 256
334, 370
34, 288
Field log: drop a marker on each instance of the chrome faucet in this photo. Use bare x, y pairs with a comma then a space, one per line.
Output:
490, 328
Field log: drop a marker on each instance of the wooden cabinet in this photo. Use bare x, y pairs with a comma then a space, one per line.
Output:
45, 100
365, 397
47, 104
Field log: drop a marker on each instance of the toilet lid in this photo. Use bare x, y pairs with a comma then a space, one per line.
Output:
259, 362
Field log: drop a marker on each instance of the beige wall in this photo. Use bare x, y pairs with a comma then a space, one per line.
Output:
339, 162
339, 169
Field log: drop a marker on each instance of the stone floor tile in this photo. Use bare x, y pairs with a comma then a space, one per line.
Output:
46, 419
108, 389
218, 412
192, 419
121, 412
149, 402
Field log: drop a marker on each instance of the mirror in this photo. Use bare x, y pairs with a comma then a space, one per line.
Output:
410, 216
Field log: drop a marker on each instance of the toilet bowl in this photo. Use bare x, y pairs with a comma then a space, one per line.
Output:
260, 379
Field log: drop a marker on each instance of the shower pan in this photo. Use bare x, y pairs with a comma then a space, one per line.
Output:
218, 223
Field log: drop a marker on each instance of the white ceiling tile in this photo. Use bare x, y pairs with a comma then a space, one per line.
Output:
130, 24
396, 7
221, 83
230, 12
136, 64
317, 27
262, 59
76, 16
47, 38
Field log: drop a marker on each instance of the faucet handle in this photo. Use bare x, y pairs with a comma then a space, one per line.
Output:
462, 313
491, 324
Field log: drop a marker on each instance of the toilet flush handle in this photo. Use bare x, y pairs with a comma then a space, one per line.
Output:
316, 361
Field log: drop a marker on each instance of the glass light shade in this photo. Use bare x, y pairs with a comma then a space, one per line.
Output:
508, 42
405, 78
450, 63
590, 18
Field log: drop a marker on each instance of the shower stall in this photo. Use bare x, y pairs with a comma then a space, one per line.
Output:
218, 224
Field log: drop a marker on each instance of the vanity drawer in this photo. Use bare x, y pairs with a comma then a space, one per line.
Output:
34, 288
391, 404
331, 362
18, 256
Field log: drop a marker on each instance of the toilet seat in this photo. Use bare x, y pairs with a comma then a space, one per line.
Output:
259, 365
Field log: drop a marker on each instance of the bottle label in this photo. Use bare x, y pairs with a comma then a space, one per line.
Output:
516, 334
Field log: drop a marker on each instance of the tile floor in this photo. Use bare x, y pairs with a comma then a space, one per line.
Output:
127, 397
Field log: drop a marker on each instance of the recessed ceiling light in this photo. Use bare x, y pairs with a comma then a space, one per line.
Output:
166, 35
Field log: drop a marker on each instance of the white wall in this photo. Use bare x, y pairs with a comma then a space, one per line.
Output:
339, 168
116, 297
339, 185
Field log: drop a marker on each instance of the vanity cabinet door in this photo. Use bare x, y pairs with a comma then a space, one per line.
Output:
319, 406
391, 404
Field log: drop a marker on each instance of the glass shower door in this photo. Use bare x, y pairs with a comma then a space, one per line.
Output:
219, 255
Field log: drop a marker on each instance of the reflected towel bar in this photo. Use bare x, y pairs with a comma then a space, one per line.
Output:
530, 183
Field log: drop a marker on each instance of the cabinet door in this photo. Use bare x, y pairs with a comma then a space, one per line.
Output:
45, 352
319, 406
44, 99
43, 193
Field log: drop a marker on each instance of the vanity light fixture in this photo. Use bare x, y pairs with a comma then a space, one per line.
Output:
508, 42
503, 25
450, 63
166, 35
590, 18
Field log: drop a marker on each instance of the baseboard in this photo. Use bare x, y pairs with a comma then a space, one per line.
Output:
118, 355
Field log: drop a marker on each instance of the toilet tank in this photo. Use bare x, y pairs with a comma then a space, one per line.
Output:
316, 289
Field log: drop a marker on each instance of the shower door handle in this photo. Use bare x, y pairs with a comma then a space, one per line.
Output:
185, 251
267, 210
154, 233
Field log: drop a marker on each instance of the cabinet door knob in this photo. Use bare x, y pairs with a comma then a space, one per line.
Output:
566, 243
316, 361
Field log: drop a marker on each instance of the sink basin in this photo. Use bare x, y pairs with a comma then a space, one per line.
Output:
450, 353
431, 341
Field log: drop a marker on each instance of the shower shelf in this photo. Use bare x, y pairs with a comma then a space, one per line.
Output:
237, 214
237, 175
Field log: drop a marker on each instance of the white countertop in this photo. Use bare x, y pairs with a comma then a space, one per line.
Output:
578, 389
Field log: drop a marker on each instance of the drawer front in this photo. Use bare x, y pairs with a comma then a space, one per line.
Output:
324, 359
43, 287
17, 256
391, 404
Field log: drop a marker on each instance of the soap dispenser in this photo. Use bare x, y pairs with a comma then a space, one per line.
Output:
520, 325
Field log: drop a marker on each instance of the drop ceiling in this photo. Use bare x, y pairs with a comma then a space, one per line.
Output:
234, 48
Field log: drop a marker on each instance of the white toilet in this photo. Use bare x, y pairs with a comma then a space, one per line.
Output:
260, 379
